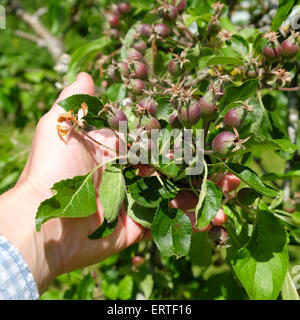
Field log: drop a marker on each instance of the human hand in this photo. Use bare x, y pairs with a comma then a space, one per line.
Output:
62, 244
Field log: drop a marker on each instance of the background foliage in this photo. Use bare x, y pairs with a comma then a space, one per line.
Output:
29, 85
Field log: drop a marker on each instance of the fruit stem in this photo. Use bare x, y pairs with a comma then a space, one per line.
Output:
157, 85
263, 107
97, 142
206, 127
163, 185
192, 186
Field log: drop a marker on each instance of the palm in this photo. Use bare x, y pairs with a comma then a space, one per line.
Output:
53, 160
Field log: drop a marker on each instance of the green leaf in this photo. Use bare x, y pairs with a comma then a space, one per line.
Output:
110, 290
171, 231
164, 110
167, 167
142, 5
240, 45
285, 145
82, 56
233, 219
94, 106
282, 12
261, 265
288, 175
227, 24
127, 42
104, 230
146, 285
125, 288
85, 290
201, 250
289, 291
142, 215
210, 206
73, 198
205, 55
240, 93
112, 192
260, 142
251, 179
149, 192
224, 61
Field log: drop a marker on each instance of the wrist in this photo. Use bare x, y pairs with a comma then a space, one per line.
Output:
17, 224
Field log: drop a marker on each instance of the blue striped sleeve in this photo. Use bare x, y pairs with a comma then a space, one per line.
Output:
16, 279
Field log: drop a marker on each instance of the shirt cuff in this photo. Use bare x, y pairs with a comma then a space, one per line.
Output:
16, 279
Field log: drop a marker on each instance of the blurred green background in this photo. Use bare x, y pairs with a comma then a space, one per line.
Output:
29, 84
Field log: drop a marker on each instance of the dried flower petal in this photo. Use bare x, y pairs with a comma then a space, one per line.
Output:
64, 131
66, 116
83, 111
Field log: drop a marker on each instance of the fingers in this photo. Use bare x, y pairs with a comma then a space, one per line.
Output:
84, 84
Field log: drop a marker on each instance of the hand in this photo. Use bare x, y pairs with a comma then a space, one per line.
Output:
63, 245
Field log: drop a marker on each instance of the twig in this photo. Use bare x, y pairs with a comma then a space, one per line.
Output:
43, 36
284, 89
28, 36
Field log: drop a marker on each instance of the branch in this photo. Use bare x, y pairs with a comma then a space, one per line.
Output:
283, 89
43, 36
28, 36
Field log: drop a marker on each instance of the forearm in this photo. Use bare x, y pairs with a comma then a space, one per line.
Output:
17, 224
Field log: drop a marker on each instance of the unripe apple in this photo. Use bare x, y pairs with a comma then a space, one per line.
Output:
140, 45
289, 49
114, 73
162, 30
137, 261
220, 218
144, 170
134, 55
146, 30
123, 69
114, 117
229, 182
272, 54
168, 13
218, 235
175, 69
180, 5
214, 26
124, 8
150, 123
150, 105
137, 86
174, 121
208, 106
115, 33
189, 114
114, 20
235, 117
223, 143
139, 70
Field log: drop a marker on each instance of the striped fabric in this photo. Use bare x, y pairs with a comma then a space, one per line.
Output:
16, 279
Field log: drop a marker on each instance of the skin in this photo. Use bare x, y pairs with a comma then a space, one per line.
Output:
63, 245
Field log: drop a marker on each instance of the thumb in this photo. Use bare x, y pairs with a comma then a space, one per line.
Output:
84, 84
